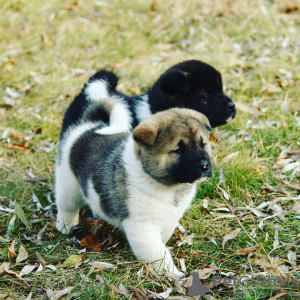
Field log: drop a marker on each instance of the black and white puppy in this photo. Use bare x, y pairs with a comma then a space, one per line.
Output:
191, 84
141, 182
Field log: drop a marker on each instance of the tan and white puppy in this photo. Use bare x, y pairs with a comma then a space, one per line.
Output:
141, 182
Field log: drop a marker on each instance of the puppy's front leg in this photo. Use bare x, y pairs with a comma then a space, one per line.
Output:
147, 245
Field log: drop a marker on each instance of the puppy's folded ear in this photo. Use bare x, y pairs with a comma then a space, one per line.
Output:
146, 133
174, 82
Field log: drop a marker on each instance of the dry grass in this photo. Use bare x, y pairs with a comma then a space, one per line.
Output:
50, 48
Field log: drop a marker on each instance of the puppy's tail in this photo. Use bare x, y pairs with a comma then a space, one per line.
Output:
100, 86
106, 103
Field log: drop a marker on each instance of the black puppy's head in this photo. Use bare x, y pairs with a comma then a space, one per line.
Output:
196, 85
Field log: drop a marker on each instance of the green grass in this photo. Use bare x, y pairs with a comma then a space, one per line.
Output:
44, 43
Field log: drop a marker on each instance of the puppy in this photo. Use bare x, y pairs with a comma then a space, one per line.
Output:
141, 182
191, 84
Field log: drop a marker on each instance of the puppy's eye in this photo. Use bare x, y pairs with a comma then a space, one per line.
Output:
180, 148
202, 144
206, 96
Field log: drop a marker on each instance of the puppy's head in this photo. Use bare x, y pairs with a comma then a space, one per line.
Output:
198, 86
173, 146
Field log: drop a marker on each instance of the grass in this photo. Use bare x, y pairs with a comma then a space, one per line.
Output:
50, 48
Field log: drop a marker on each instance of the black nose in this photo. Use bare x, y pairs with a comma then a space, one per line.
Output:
231, 105
203, 165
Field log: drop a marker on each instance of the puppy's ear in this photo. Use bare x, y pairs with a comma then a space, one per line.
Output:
146, 133
174, 82
203, 119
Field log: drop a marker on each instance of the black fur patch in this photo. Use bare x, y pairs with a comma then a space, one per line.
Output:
99, 158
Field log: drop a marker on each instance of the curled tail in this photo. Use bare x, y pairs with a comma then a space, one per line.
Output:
106, 103
92, 103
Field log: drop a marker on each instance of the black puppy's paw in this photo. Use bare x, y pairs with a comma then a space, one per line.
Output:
174, 82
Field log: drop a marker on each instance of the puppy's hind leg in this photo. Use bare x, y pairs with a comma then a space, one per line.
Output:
68, 199
147, 245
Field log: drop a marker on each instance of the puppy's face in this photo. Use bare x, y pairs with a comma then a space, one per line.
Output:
198, 86
173, 146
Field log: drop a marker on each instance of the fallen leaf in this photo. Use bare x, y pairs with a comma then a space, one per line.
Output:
73, 260
3, 296
246, 251
20, 213
40, 259
11, 273
40, 233
102, 265
230, 156
210, 239
58, 294
18, 147
51, 267
5, 265
118, 291
139, 294
91, 242
100, 279
292, 257
276, 239
27, 270
188, 239
12, 93
260, 263
276, 189
22, 254
291, 186
291, 166
11, 250
230, 236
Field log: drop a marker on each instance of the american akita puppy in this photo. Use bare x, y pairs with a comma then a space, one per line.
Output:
141, 182
191, 84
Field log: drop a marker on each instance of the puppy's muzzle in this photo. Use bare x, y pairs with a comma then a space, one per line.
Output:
205, 167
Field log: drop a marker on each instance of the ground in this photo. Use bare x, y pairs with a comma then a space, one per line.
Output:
49, 49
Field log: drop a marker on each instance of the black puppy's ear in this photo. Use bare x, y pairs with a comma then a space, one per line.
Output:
174, 82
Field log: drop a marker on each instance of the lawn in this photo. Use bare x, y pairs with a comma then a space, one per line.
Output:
49, 49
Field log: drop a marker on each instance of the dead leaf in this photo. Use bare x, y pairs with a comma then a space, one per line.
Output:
3, 296
187, 239
210, 239
123, 292
276, 239
139, 294
292, 257
40, 259
22, 254
73, 260
282, 163
19, 147
291, 186
11, 250
230, 156
27, 270
10, 273
230, 236
40, 233
102, 265
276, 189
20, 213
246, 251
5, 265
100, 279
51, 267
58, 294
91, 242
250, 110
260, 263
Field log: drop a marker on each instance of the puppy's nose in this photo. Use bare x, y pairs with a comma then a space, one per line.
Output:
230, 105
203, 165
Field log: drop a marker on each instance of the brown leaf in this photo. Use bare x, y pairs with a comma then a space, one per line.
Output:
291, 186
22, 254
246, 251
40, 259
247, 109
17, 147
260, 263
117, 290
91, 242
11, 250
230, 236
10, 273
3, 296
276, 189
139, 294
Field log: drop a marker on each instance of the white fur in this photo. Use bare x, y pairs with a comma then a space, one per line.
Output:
120, 118
153, 213
97, 90
143, 109
67, 189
